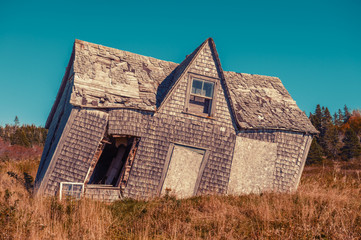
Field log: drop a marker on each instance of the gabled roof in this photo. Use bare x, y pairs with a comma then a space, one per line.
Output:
262, 102
110, 78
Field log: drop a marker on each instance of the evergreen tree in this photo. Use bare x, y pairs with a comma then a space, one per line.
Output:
340, 119
327, 115
16, 121
316, 118
8, 132
332, 142
347, 114
20, 138
325, 135
326, 121
315, 154
335, 119
352, 147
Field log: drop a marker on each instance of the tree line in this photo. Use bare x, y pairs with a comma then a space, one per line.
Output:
338, 138
24, 135
339, 135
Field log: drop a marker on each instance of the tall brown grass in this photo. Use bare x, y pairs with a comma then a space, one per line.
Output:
327, 205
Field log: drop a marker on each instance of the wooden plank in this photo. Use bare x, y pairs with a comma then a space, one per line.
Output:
94, 161
124, 175
183, 171
115, 165
304, 157
201, 170
165, 168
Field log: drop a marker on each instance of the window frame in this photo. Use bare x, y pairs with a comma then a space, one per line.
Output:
213, 99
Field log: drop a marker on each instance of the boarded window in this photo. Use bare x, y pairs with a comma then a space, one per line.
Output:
183, 171
252, 166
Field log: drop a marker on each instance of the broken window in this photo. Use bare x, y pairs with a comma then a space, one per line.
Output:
114, 164
71, 190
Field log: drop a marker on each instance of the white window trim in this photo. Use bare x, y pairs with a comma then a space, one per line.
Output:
189, 93
70, 183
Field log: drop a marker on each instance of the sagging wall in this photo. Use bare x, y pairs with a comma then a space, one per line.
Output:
55, 131
268, 160
172, 125
74, 151
156, 135
252, 166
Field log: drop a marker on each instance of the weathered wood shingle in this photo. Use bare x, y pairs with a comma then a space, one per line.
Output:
110, 78
114, 92
170, 124
262, 102
85, 130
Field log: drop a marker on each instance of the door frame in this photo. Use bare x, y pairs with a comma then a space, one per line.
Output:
172, 145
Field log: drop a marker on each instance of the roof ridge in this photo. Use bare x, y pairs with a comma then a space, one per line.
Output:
253, 74
157, 79
179, 64
225, 84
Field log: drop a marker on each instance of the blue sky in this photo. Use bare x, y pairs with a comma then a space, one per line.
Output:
314, 47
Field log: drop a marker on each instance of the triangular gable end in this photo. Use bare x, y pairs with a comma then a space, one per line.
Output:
206, 63
203, 63
180, 72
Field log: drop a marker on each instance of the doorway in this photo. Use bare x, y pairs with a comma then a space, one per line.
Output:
184, 170
117, 157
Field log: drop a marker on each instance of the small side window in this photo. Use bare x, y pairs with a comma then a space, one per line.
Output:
201, 97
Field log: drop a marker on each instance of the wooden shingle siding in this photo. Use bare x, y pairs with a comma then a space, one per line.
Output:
291, 157
205, 64
105, 194
172, 125
130, 122
118, 93
86, 129
55, 131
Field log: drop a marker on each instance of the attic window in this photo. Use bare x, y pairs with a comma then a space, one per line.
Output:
202, 88
201, 97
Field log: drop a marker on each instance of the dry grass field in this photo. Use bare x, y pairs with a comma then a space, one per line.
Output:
327, 205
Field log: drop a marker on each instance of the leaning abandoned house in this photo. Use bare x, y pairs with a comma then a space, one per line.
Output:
127, 125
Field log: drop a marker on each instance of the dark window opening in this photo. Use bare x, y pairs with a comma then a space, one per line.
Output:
113, 161
199, 104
